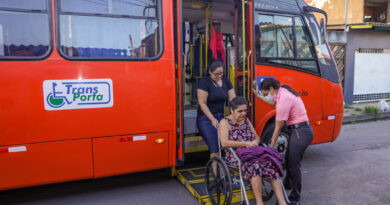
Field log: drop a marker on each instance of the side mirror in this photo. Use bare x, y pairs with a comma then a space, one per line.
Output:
323, 31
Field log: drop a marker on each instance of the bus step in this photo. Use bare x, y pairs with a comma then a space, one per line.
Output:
193, 180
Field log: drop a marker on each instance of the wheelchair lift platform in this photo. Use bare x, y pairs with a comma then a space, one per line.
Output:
194, 180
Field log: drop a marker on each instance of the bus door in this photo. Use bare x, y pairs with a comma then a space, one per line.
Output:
243, 32
204, 34
284, 51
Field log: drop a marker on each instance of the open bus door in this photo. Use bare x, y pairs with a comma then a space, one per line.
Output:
194, 27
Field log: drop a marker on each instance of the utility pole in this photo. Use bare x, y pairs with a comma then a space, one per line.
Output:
346, 15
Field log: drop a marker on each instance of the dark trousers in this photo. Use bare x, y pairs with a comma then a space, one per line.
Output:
299, 140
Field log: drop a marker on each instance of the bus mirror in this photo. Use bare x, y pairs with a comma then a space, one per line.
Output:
323, 31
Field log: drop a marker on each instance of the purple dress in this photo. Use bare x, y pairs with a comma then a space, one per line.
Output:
243, 133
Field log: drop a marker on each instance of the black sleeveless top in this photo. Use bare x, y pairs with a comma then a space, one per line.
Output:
216, 96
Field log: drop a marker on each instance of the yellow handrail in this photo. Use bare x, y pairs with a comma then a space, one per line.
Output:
232, 75
243, 45
249, 74
207, 37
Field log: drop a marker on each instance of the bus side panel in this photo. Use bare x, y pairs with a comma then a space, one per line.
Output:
322, 128
42, 163
265, 116
334, 108
143, 97
337, 126
131, 153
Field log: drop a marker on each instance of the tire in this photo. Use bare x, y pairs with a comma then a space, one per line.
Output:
281, 143
219, 185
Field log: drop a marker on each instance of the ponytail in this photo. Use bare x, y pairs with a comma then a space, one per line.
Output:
290, 89
267, 83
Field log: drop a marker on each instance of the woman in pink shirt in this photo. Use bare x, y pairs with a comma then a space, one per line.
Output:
290, 110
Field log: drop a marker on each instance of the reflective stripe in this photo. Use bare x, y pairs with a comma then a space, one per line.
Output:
138, 138
17, 149
13, 149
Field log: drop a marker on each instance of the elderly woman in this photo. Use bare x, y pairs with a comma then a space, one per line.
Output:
237, 132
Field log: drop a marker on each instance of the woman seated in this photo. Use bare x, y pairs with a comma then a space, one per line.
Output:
237, 132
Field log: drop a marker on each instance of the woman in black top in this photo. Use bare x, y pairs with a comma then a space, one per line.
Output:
213, 91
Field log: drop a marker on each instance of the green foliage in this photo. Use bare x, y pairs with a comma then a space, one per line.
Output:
371, 110
358, 109
348, 107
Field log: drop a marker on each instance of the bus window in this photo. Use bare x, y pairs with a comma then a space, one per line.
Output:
283, 40
126, 29
321, 48
303, 41
24, 29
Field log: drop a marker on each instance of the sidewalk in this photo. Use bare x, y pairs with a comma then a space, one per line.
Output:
364, 112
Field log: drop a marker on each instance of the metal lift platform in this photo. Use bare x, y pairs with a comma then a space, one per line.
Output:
194, 180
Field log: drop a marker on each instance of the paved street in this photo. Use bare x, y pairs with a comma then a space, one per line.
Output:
353, 170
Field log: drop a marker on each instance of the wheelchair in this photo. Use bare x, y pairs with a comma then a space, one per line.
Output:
219, 185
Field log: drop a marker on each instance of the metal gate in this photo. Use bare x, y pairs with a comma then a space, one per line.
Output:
339, 53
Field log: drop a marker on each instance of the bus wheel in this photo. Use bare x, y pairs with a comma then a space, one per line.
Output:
282, 141
218, 182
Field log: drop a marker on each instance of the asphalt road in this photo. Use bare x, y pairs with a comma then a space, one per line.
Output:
353, 170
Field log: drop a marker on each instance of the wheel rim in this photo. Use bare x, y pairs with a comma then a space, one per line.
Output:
218, 185
281, 144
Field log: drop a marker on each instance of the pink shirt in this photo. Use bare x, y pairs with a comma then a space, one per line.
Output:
289, 107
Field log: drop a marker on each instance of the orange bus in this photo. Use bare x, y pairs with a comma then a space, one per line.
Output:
96, 88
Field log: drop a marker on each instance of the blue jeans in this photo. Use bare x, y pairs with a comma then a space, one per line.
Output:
208, 131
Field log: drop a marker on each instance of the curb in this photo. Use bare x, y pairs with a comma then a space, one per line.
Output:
365, 118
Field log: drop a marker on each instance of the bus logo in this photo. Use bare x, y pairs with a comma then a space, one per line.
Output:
77, 94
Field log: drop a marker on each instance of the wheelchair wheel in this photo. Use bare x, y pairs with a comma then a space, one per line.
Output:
218, 183
268, 191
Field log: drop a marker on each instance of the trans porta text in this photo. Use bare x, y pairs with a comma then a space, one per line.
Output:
84, 93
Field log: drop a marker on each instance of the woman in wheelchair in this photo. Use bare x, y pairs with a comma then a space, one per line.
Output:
237, 132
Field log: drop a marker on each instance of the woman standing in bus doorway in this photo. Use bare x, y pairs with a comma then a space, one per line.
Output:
213, 91
289, 109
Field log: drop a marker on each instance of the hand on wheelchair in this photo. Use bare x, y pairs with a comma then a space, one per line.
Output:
251, 144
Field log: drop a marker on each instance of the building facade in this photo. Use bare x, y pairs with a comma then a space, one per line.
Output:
365, 35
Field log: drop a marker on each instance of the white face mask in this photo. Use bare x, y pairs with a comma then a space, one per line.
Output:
271, 97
